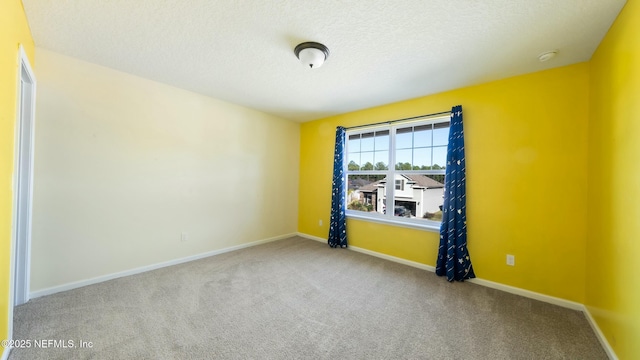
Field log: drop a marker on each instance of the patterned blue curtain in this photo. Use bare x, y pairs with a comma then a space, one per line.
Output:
338, 224
453, 256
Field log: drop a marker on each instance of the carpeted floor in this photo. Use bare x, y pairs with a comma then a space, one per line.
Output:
297, 299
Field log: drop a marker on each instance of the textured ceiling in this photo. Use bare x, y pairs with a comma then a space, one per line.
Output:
381, 51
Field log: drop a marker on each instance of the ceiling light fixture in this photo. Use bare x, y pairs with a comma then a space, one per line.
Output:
546, 56
311, 54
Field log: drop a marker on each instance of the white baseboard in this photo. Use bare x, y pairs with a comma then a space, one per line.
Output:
494, 285
99, 279
376, 254
603, 340
528, 294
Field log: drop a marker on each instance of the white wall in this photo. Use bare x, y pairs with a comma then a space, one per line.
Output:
123, 165
431, 200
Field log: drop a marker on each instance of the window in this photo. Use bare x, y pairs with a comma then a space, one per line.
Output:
414, 155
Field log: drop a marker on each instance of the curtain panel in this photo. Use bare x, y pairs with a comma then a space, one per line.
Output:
338, 222
453, 256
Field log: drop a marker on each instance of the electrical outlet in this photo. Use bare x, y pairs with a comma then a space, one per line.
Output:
320, 222
184, 236
511, 260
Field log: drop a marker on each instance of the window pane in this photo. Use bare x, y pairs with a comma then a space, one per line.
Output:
366, 160
353, 161
441, 134
421, 198
400, 184
381, 159
403, 159
382, 140
422, 136
366, 193
440, 157
366, 143
354, 143
404, 138
422, 159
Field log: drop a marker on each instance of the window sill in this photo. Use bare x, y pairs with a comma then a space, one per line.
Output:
431, 226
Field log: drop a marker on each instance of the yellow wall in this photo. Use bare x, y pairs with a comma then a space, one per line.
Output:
613, 243
526, 143
14, 31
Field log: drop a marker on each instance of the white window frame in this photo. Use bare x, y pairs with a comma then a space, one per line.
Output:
389, 217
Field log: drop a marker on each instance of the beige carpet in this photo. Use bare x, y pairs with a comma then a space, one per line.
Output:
299, 299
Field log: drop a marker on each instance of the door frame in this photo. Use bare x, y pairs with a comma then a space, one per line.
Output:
22, 187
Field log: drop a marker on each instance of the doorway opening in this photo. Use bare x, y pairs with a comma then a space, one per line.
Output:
22, 186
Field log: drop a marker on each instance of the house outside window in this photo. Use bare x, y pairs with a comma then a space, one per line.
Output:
414, 155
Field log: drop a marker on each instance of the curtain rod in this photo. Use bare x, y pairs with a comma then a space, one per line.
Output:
398, 120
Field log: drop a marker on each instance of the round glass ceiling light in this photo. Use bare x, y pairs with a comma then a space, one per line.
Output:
546, 56
311, 54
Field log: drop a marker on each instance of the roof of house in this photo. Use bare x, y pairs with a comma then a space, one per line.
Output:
424, 181
371, 186
418, 179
